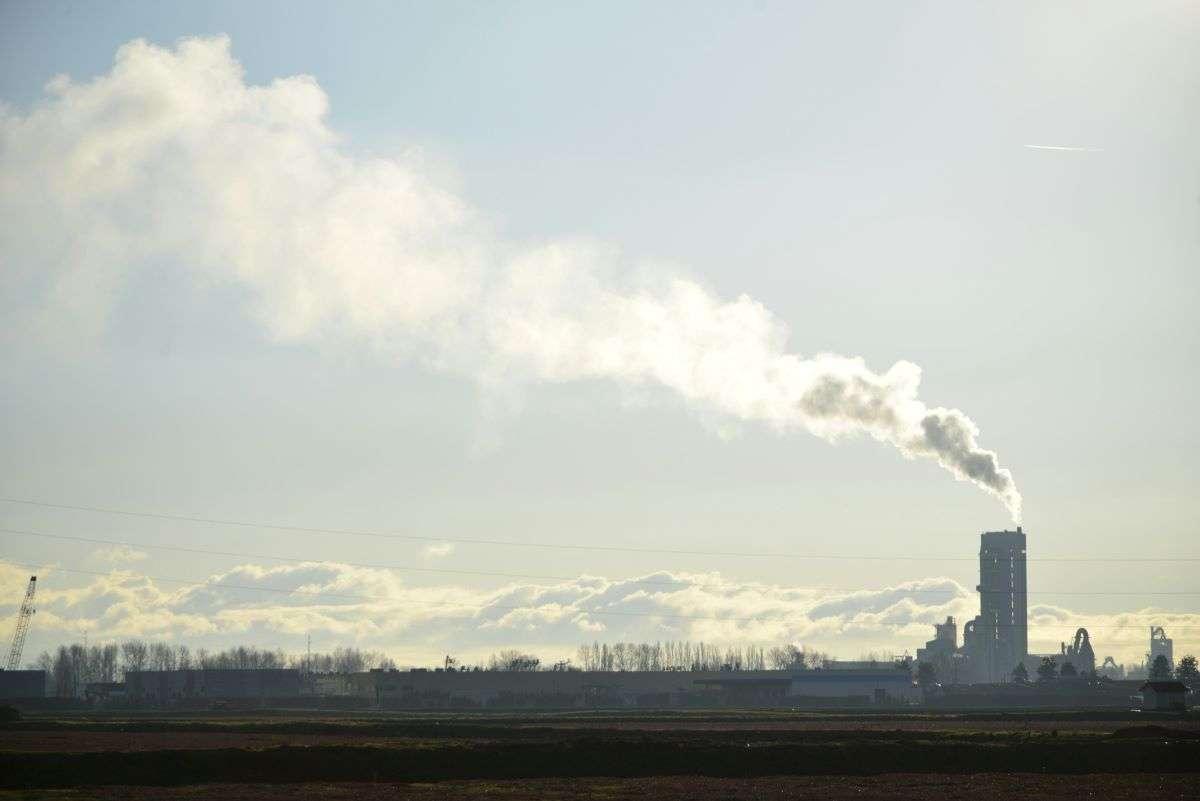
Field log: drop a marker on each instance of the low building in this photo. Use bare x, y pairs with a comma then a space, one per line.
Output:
173, 685
881, 686
101, 691
886, 684
18, 684
1164, 696
545, 688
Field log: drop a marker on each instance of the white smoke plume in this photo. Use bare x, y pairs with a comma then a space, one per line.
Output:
171, 158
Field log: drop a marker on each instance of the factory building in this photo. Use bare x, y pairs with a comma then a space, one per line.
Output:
22, 684
940, 651
1079, 654
997, 639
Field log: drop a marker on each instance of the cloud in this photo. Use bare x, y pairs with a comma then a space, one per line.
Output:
345, 605
438, 550
171, 158
114, 554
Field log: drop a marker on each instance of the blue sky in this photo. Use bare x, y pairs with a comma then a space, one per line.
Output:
862, 171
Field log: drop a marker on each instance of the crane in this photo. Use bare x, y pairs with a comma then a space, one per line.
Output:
23, 619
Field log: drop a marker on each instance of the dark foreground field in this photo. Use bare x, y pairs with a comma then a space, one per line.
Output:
890, 787
577, 756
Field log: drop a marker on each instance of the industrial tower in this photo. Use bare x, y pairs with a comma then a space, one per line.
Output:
998, 638
23, 619
1160, 645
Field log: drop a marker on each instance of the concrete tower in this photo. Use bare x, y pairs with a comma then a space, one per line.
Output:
999, 638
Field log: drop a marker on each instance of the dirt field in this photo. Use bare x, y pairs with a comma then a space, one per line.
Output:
892, 787
92, 735
70, 742
645, 755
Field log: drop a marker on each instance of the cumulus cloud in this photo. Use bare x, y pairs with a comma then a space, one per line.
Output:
172, 158
342, 605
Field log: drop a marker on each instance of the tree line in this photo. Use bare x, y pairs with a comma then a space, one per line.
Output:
696, 657
71, 668
1160, 670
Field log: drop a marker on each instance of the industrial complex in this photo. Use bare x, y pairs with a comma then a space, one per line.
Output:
991, 667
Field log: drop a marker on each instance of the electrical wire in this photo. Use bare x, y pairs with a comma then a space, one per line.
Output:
570, 546
534, 576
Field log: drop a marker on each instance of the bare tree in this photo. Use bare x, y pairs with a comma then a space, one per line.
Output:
109, 658
348, 660
69, 671
162, 657
134, 654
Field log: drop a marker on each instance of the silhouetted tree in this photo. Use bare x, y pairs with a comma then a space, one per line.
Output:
1186, 672
162, 656
1068, 671
183, 658
789, 657
134, 654
1161, 669
1048, 670
110, 655
1020, 674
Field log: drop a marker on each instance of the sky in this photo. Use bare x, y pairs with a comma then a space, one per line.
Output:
472, 275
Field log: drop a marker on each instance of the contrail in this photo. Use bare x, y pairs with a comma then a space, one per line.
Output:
172, 160
1069, 149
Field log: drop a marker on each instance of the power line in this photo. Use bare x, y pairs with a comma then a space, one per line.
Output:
535, 576
480, 606
568, 546
302, 560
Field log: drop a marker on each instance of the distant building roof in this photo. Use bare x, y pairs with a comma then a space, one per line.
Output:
1164, 687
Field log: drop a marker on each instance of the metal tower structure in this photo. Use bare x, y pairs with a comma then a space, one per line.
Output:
23, 619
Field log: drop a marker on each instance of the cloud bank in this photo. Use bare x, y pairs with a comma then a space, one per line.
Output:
172, 160
374, 608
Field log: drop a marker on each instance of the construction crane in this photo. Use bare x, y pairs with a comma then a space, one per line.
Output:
24, 617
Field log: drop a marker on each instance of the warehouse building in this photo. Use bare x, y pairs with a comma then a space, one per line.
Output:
21, 684
172, 685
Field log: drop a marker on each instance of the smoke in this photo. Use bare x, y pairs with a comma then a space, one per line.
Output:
172, 159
